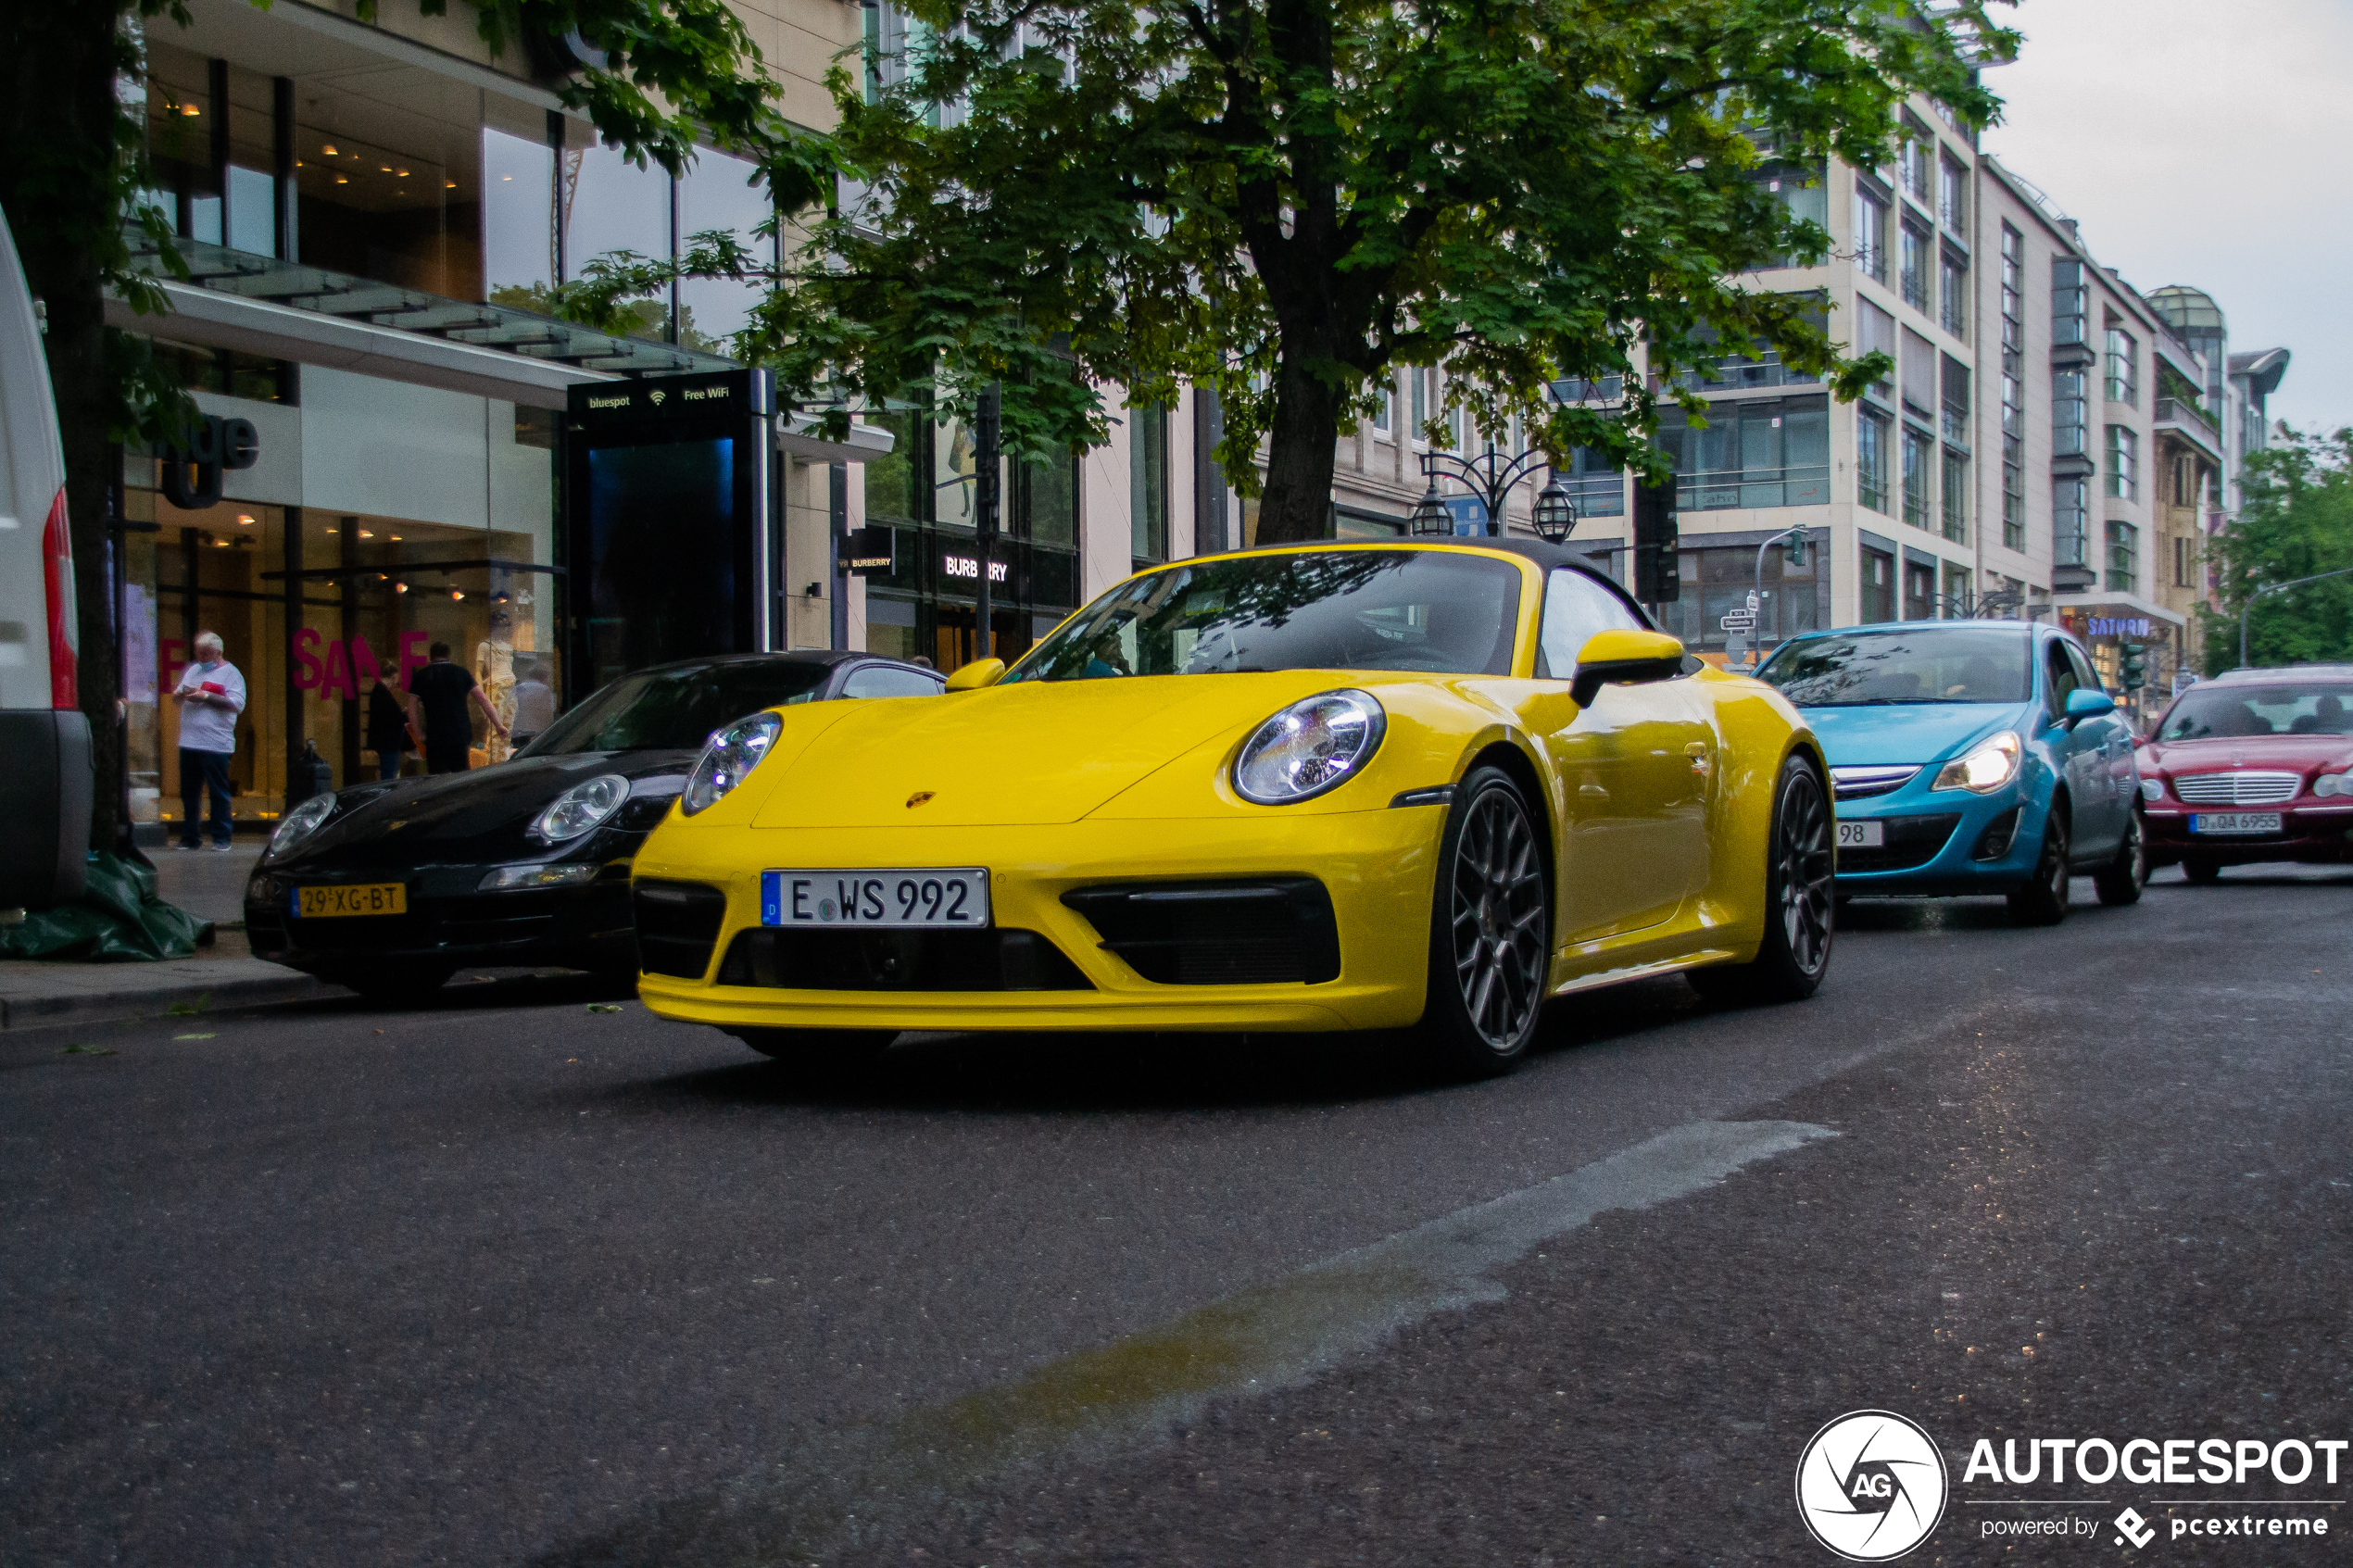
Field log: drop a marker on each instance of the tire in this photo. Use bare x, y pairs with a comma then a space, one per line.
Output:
2120, 881
1800, 902
2204, 872
2043, 899
394, 987
834, 1049
1490, 931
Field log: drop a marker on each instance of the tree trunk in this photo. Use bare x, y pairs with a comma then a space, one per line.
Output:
1296, 504
58, 186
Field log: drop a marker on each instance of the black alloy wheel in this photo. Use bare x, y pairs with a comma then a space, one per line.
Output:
1490, 931
1800, 902
2043, 900
2120, 881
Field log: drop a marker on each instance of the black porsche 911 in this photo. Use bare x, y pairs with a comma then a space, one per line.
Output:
390, 888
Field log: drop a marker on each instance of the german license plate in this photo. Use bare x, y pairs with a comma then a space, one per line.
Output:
2234, 822
1863, 834
362, 898
876, 900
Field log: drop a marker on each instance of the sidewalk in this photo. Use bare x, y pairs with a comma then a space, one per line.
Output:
35, 995
209, 886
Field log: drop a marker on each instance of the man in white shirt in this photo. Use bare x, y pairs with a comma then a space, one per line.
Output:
210, 694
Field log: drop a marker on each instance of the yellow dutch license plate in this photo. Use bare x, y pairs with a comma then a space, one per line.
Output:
365, 898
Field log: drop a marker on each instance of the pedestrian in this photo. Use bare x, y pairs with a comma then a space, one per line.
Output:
437, 698
535, 699
388, 729
210, 694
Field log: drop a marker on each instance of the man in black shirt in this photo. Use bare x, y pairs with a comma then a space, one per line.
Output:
437, 695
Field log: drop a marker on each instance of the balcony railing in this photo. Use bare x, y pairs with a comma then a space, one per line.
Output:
2190, 422
360, 299
1723, 490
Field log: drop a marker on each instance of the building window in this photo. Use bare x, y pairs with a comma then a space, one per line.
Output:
1914, 157
1919, 461
2123, 463
2013, 388
1761, 452
2013, 505
2070, 415
2071, 519
1870, 459
1148, 482
1870, 235
1920, 591
2124, 557
1717, 582
1742, 372
1878, 587
2013, 291
1954, 508
1417, 401
1804, 192
1951, 200
2184, 562
1875, 334
2123, 368
1955, 406
1953, 294
1596, 486
2068, 302
1918, 246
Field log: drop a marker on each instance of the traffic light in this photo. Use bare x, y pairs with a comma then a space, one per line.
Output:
1794, 548
2132, 674
1658, 577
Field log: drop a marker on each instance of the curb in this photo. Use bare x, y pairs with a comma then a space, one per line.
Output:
102, 1007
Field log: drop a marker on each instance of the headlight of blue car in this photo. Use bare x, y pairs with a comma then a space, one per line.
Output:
1986, 767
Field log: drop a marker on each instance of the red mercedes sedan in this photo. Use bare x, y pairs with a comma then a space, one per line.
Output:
2251, 765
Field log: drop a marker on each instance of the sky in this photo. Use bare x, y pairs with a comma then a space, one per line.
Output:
2202, 141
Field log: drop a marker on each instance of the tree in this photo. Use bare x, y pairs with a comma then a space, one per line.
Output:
1285, 200
2296, 520
73, 161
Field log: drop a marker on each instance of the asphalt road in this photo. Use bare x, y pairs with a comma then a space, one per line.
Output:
508, 1279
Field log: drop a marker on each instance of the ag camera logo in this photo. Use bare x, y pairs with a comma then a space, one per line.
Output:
1871, 1486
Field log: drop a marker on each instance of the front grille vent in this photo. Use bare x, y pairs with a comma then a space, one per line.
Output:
1911, 841
2250, 787
1267, 931
995, 959
677, 926
1861, 783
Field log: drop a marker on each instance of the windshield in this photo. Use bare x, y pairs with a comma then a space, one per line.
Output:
675, 710
1428, 611
2301, 708
1863, 669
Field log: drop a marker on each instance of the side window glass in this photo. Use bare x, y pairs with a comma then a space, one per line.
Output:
2086, 676
2062, 678
1575, 608
882, 680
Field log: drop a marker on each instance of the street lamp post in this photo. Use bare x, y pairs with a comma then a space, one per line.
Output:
1491, 477
2275, 588
1796, 534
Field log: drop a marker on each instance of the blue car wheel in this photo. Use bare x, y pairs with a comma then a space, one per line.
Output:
2042, 901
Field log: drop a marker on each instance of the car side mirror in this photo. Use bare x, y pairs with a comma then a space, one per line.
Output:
2084, 702
979, 673
1623, 658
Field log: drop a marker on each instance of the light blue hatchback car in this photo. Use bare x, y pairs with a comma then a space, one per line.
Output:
1970, 757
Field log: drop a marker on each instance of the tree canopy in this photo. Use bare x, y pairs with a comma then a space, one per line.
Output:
2296, 520
1286, 200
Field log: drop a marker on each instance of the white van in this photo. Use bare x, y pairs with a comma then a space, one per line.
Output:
45, 740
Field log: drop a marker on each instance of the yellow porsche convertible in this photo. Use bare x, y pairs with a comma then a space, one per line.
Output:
1323, 788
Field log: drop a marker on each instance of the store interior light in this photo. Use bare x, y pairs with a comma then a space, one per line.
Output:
332, 531
507, 178
383, 169
245, 520
404, 174
365, 533
395, 538
328, 149
190, 111
457, 593
341, 181
400, 587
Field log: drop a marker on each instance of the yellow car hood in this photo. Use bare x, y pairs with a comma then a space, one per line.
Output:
1032, 752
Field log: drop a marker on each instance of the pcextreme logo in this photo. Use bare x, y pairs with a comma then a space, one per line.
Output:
1871, 1486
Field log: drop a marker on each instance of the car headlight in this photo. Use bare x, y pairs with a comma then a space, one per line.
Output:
300, 823
582, 809
2152, 790
2333, 784
1316, 744
1989, 765
726, 759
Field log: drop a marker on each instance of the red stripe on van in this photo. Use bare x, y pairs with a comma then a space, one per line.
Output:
56, 575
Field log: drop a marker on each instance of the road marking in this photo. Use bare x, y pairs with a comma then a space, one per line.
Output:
1268, 1336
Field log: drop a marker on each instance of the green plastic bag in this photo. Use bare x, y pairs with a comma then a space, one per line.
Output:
118, 919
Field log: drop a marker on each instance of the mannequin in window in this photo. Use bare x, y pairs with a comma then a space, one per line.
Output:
494, 670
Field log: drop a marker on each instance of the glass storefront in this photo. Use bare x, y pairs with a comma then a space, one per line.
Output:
928, 607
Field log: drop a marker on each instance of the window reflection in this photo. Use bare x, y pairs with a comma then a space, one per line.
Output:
611, 205
724, 194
